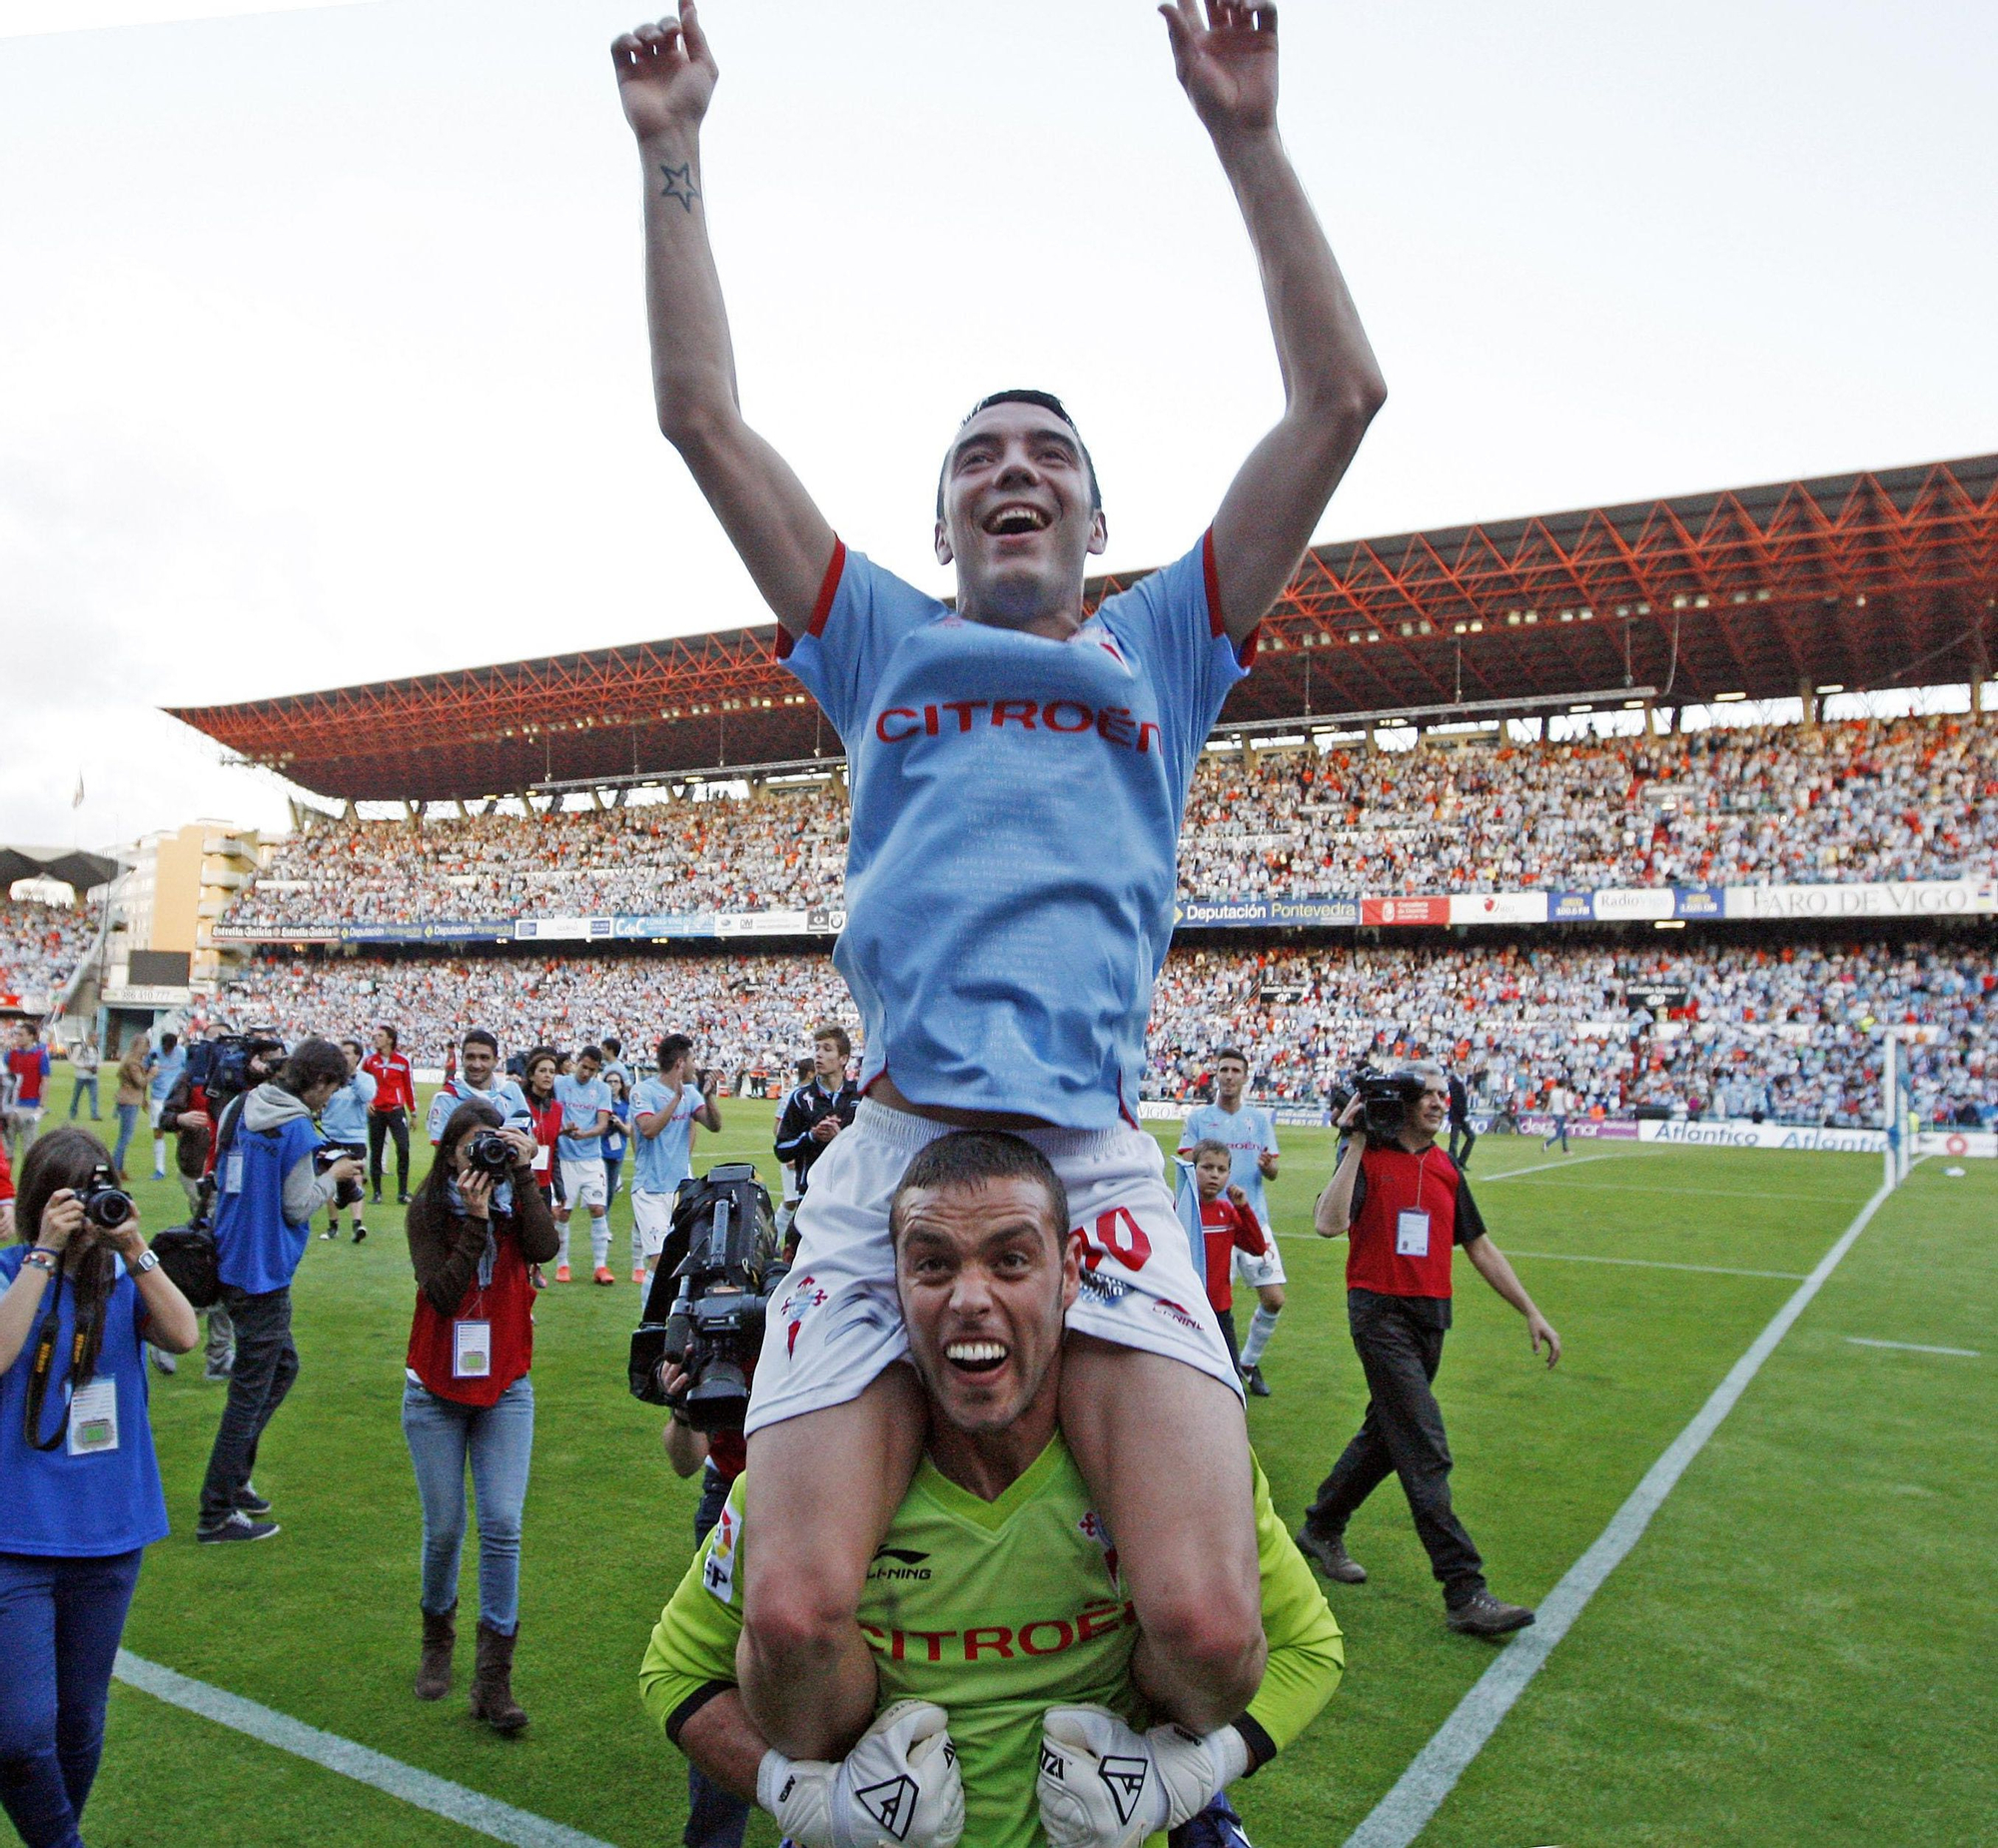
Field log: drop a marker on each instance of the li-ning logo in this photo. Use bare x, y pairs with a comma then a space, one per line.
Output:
1125, 1778
893, 1803
899, 1562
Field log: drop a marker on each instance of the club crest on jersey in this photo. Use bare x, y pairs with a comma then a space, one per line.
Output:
893, 1803
718, 1574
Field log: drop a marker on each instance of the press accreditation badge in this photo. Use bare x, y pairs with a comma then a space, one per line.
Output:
92, 1418
471, 1350
232, 1178
1412, 1232
541, 1153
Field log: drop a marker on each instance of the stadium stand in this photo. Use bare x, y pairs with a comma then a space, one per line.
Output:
40, 947
1913, 798
1787, 1032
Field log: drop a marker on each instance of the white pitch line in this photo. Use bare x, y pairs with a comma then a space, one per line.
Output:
1968, 1354
1418, 1793
1657, 1264
486, 1815
1538, 1168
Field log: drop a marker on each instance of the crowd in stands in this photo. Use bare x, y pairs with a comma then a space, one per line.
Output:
41, 945
1911, 798
1793, 1034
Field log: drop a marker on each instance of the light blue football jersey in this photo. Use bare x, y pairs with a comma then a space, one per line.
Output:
1015, 823
1248, 1132
660, 1163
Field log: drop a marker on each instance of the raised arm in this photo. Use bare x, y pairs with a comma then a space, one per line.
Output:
1332, 386
665, 79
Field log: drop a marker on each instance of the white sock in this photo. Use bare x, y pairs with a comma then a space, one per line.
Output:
1261, 1326
599, 1242
561, 1245
159, 1152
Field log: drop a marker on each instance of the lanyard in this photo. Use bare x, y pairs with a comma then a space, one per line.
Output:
43, 1366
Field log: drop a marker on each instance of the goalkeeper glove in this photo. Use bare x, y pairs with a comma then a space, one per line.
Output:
898, 1788
1104, 1786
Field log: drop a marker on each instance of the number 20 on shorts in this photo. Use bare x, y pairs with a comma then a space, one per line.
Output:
1117, 1235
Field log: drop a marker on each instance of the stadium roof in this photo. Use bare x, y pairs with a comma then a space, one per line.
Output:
1861, 581
69, 864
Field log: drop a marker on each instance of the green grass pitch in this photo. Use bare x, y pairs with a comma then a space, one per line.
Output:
1798, 1651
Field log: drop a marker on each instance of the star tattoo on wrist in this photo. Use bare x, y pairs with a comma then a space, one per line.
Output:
679, 184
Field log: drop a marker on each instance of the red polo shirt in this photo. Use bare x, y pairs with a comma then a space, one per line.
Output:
1392, 1193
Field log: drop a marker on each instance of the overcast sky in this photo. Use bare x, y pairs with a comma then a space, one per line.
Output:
322, 351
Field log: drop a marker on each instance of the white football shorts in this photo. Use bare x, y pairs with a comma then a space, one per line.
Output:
1259, 1273
652, 1220
582, 1184
836, 1321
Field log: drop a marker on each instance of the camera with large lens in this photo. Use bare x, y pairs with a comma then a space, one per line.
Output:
489, 1153
344, 1193
709, 1298
1385, 1098
105, 1204
232, 1063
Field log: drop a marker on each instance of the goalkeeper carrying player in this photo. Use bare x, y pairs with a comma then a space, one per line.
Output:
1019, 773
995, 1607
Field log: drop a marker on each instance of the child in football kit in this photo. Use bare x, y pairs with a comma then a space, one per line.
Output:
1220, 1214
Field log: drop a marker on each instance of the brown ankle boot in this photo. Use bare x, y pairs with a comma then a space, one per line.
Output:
492, 1682
434, 1672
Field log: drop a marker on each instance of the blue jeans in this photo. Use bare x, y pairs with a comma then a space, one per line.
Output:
716, 1818
76, 1097
128, 1122
60, 1620
500, 1441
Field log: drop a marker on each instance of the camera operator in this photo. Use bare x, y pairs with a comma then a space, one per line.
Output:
82, 1498
269, 1187
1408, 1206
476, 1226
211, 1077
343, 1123
818, 1110
716, 1816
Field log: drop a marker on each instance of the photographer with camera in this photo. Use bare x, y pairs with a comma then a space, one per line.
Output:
1407, 1206
476, 1226
664, 1109
213, 1074
269, 1182
343, 1123
716, 1816
83, 1497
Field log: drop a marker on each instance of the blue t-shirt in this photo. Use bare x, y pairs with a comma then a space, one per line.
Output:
345, 1117
1015, 821
167, 1070
580, 1102
616, 1136
1249, 1133
257, 1248
88, 1506
660, 1163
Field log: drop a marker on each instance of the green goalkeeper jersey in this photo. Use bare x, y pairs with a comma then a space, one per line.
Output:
998, 1610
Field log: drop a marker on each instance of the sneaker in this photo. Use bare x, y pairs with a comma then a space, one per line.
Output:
220, 1374
1256, 1384
604, 1274
1328, 1552
360, 1233
248, 1501
638, 1274
402, 1199
561, 1272
239, 1527
163, 1361
1217, 1826
159, 1174
1481, 1614
330, 1233
375, 1199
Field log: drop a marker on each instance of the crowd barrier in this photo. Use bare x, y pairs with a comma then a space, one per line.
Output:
1916, 900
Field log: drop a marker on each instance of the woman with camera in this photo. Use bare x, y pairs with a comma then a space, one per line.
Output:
83, 1500
474, 1227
